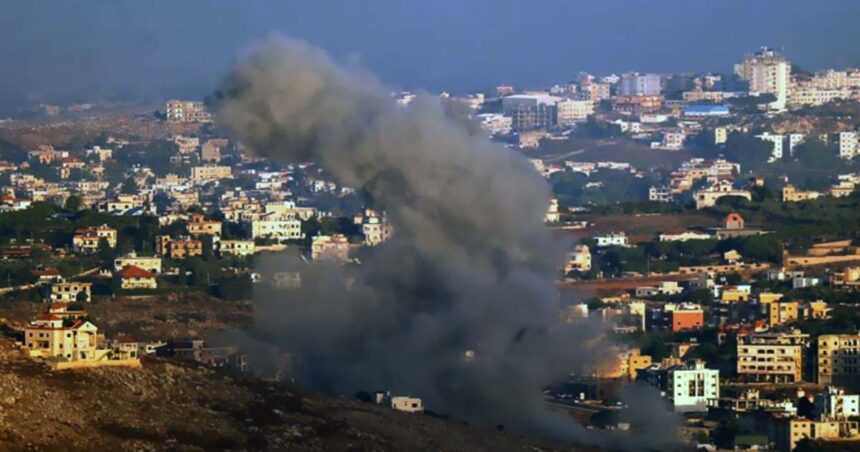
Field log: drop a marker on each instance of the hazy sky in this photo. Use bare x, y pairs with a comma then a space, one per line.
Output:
95, 49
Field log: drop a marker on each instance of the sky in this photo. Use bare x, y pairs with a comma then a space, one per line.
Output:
93, 50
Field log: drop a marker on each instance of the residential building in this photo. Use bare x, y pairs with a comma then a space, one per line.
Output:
375, 229
181, 248
277, 229
236, 247
791, 194
660, 194
635, 84
772, 357
531, 111
685, 316
789, 432
47, 337
204, 173
579, 260
637, 105
767, 73
708, 197
211, 150
198, 225
132, 278
330, 247
407, 404
495, 123
612, 239
779, 312
688, 387
70, 292
150, 264
571, 111
834, 403
87, 240
186, 111
838, 360
848, 144
776, 141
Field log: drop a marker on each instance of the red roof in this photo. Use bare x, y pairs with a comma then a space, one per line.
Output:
47, 316
130, 271
47, 272
734, 216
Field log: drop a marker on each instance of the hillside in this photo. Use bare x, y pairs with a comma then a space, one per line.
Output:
170, 406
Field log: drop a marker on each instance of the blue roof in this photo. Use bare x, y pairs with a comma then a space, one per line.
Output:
707, 109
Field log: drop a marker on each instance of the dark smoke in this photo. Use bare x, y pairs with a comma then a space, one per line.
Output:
471, 265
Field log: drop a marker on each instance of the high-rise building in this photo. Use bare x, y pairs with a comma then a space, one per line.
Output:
772, 357
635, 84
767, 72
186, 111
531, 111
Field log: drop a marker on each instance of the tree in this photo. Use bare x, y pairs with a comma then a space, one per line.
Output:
129, 187
744, 148
82, 297
73, 203
814, 153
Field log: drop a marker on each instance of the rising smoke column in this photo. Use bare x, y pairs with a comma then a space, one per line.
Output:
470, 267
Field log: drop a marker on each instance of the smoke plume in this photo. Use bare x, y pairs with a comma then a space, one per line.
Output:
471, 266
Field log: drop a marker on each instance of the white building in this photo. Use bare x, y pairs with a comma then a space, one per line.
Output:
690, 386
572, 111
277, 229
794, 140
848, 144
612, 239
834, 403
768, 73
776, 141
407, 404
578, 260
494, 123
660, 194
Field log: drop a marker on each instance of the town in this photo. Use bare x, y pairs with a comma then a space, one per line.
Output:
712, 223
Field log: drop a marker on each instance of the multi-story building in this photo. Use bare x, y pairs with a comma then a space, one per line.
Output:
689, 387
236, 247
150, 264
375, 229
767, 72
186, 111
202, 173
211, 150
834, 403
848, 144
838, 360
132, 278
330, 247
531, 111
660, 194
772, 357
635, 84
579, 260
779, 312
792, 194
182, 248
277, 229
495, 123
46, 337
637, 105
612, 239
789, 432
87, 240
198, 225
708, 197
571, 111
70, 292
776, 141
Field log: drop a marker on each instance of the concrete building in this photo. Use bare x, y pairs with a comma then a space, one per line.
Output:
277, 229
407, 404
531, 111
848, 144
87, 240
47, 337
70, 292
767, 73
495, 123
198, 225
612, 239
330, 247
660, 194
579, 260
791, 194
708, 197
772, 357
635, 84
834, 403
691, 386
150, 264
571, 111
776, 141
235, 247
838, 360
186, 111
132, 277
204, 173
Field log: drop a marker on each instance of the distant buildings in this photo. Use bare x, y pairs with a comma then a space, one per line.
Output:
132, 278
838, 360
612, 239
531, 111
635, 84
186, 111
87, 240
772, 357
579, 260
330, 247
768, 73
688, 387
